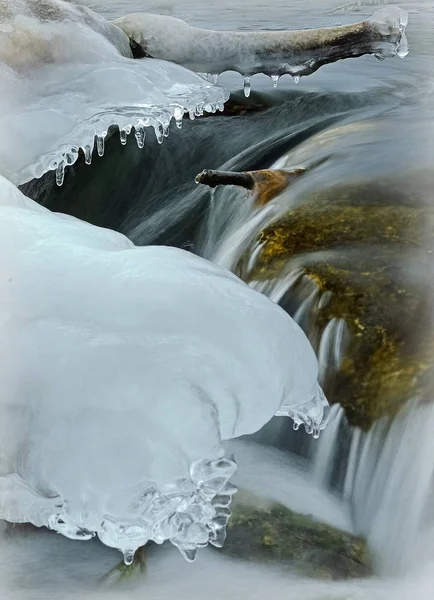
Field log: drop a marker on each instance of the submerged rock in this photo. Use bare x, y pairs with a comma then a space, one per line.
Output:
297, 542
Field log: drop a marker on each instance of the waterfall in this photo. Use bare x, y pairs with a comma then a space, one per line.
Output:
326, 447
388, 479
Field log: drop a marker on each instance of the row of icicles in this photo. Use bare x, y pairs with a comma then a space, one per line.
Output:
247, 86
161, 128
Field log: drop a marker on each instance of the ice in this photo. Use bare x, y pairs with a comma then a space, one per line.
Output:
275, 80
67, 76
391, 22
247, 86
126, 369
275, 53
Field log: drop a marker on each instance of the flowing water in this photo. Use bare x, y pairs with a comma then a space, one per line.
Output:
357, 123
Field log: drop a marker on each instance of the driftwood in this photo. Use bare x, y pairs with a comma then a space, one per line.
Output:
275, 53
265, 184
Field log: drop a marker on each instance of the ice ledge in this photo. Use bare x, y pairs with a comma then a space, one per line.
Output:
189, 512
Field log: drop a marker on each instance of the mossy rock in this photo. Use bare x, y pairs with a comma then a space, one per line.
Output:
311, 228
371, 259
279, 536
389, 353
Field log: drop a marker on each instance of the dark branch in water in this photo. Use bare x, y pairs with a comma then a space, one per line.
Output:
265, 184
214, 178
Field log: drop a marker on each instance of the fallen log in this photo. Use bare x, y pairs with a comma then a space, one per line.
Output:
275, 53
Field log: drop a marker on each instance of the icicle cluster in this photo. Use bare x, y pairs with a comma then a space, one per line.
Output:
68, 78
140, 126
190, 513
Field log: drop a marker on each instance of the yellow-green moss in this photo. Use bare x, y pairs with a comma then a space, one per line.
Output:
363, 246
311, 228
389, 349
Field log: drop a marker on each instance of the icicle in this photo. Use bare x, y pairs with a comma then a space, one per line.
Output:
100, 144
88, 151
159, 132
403, 48
128, 557
178, 115
60, 173
166, 129
275, 80
247, 87
71, 156
123, 136
296, 78
188, 553
215, 78
140, 136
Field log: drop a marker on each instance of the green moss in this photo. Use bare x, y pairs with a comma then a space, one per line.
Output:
278, 535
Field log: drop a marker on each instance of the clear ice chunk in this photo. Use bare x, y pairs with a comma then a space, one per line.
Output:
126, 369
275, 80
247, 87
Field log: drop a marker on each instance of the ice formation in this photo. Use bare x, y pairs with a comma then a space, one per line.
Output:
126, 369
275, 53
67, 75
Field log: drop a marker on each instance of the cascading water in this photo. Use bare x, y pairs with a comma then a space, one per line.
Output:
388, 479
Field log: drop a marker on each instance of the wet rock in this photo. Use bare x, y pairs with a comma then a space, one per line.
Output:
361, 255
388, 354
296, 542
309, 228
